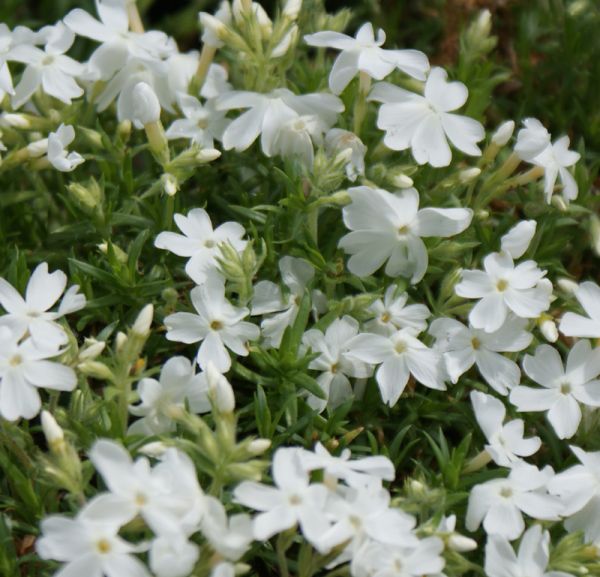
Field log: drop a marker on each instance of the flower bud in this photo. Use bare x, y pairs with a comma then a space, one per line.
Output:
548, 329
37, 148
141, 327
120, 341
146, 107
92, 349
567, 285
15, 120
503, 133
560, 203
53, 433
219, 389
259, 446
155, 449
119, 253
96, 370
292, 9
402, 181
214, 29
469, 174
461, 544
169, 184
285, 43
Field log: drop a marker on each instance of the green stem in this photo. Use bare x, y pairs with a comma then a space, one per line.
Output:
360, 106
282, 545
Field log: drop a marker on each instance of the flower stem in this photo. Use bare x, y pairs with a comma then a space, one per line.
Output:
206, 58
135, 21
360, 106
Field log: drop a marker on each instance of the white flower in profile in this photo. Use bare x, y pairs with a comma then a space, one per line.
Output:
293, 500
58, 155
576, 325
555, 160
504, 287
399, 355
392, 313
564, 388
295, 138
173, 556
500, 503
178, 384
334, 362
216, 323
268, 298
268, 113
337, 141
87, 547
462, 347
202, 124
531, 560
364, 54
200, 242
49, 68
31, 314
578, 488
532, 139
506, 443
388, 227
423, 123
374, 559
23, 369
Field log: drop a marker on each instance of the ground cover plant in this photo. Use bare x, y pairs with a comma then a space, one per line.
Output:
282, 294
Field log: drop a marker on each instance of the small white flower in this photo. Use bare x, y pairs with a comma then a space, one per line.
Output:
200, 242
576, 325
173, 556
506, 441
399, 355
422, 123
217, 323
388, 227
532, 140
392, 313
564, 388
364, 54
337, 141
292, 501
32, 313
295, 138
499, 503
58, 155
555, 160
504, 287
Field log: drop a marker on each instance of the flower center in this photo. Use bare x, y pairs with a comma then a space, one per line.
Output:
475, 343
565, 388
400, 347
209, 243
140, 499
334, 368
202, 123
403, 230
386, 317
502, 285
48, 60
355, 521
103, 546
15, 361
216, 325
295, 499
506, 492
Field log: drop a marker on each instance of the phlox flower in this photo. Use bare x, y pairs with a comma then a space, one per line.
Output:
268, 298
335, 362
23, 369
424, 123
88, 547
578, 488
295, 138
500, 503
532, 139
178, 384
8, 40
337, 141
388, 227
506, 443
576, 325
58, 155
392, 313
200, 242
217, 324
293, 500
564, 388
173, 556
364, 54
49, 68
504, 287
32, 315
531, 560
398, 355
462, 347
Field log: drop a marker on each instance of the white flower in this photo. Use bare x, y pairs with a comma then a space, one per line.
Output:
392, 313
58, 155
217, 323
364, 54
579, 490
399, 355
32, 313
517, 240
499, 503
506, 441
531, 140
295, 138
215, 84
88, 547
202, 123
178, 384
173, 556
23, 369
49, 68
576, 325
422, 123
268, 113
462, 347
146, 105
337, 141
531, 560
292, 501
167, 496
388, 227
564, 388
455, 541
334, 362
268, 298
555, 160
375, 559
200, 242
503, 287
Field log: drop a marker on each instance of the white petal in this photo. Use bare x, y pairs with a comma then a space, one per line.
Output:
212, 349
463, 132
516, 241
344, 69
489, 313
244, 130
505, 520
392, 377
500, 373
17, 397
50, 375
489, 412
565, 416
545, 366
445, 96
442, 222
429, 144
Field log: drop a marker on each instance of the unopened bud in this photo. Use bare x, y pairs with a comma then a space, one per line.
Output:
594, 232
469, 174
567, 285
549, 330
214, 29
92, 349
93, 137
146, 108
90, 194
461, 544
219, 389
119, 253
285, 43
259, 446
124, 130
155, 449
53, 433
402, 181
141, 327
208, 155
120, 341
503, 133
15, 120
96, 370
560, 203
292, 9
169, 184
241, 568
